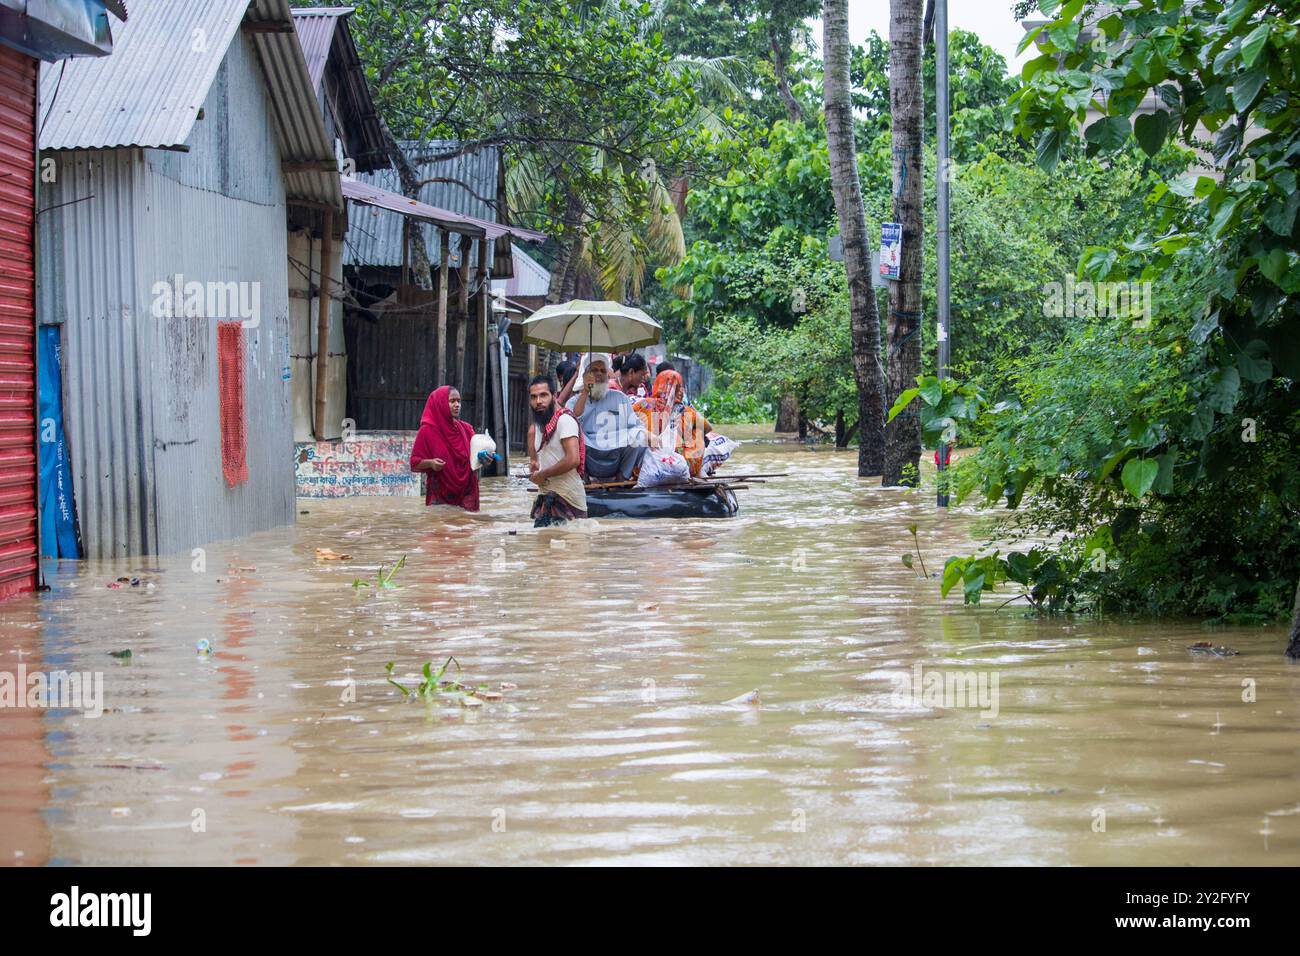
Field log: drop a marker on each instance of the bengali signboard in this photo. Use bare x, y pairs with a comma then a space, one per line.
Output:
372, 463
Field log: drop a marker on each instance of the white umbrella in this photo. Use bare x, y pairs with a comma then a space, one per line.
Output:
584, 325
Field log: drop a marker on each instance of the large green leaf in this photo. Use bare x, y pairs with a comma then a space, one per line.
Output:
1150, 129
1280, 213
1253, 45
1246, 87
1223, 215
1139, 475
1227, 384
1109, 132
1274, 265
903, 401
1253, 362
1029, 38
1048, 153
952, 572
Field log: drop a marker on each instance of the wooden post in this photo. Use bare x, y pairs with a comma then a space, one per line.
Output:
443, 266
406, 251
462, 309
484, 317
498, 405
323, 321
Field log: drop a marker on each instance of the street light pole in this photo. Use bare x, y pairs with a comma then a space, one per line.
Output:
941, 190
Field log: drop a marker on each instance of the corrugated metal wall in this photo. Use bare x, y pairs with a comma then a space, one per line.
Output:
17, 323
87, 282
394, 367
375, 235
142, 406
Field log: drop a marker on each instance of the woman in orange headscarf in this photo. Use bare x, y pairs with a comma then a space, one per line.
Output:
665, 409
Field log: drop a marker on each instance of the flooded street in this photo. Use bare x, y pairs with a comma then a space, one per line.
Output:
1110, 743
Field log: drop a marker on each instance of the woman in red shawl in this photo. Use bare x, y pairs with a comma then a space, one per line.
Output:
442, 449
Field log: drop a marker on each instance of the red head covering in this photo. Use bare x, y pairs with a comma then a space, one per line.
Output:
445, 437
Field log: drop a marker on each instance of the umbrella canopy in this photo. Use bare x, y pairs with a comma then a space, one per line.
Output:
585, 326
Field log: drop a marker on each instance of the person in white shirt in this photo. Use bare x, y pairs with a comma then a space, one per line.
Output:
613, 436
556, 442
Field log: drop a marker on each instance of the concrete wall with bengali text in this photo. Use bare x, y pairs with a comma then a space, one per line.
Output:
372, 463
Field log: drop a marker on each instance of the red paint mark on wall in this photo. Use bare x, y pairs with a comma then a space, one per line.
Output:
234, 420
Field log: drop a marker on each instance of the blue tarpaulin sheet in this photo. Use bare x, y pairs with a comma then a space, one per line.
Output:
58, 518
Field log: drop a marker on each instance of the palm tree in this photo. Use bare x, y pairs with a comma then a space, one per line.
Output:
847, 189
604, 240
903, 434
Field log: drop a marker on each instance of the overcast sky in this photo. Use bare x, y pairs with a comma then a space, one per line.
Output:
990, 20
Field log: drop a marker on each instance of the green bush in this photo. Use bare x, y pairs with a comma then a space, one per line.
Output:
734, 405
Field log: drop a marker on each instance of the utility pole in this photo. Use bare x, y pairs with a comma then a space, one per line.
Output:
941, 191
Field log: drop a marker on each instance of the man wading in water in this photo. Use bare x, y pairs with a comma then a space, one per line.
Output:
557, 457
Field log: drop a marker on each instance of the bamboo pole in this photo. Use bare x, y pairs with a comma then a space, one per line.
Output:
406, 251
323, 321
484, 311
462, 309
443, 267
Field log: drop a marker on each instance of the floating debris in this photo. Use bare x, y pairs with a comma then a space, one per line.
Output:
385, 577
438, 686
204, 647
329, 554
1206, 647
750, 698
121, 655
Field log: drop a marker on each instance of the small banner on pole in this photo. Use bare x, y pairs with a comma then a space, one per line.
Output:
891, 250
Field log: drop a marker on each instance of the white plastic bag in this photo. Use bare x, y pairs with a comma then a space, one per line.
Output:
718, 450
660, 467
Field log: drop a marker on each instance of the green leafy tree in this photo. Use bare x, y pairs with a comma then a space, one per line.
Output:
595, 115
1179, 437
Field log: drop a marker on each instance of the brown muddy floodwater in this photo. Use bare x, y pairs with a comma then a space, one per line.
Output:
1110, 744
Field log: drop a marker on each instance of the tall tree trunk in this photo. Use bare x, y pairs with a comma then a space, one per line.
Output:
903, 434
409, 177
787, 413
562, 271
792, 108
1293, 645
847, 190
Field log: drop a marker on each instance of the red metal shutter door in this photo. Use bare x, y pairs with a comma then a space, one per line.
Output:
18, 562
